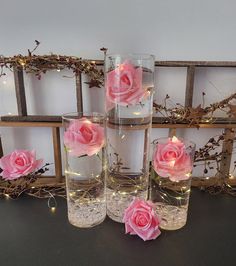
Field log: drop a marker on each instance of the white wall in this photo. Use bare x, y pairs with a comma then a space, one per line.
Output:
171, 30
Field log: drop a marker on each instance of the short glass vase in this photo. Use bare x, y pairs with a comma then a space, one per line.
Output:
170, 186
85, 161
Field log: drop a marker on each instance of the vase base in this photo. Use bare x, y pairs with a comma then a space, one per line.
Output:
87, 225
172, 217
118, 201
115, 218
172, 227
84, 215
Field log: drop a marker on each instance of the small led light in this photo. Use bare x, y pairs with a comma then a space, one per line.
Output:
174, 139
32, 187
22, 62
136, 113
53, 209
87, 121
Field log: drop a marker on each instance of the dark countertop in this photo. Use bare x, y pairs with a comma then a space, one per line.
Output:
31, 235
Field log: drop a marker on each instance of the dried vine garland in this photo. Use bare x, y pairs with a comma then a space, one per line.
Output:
40, 64
210, 158
29, 186
195, 115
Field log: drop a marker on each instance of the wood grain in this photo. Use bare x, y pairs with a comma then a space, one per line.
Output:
212, 181
32, 118
20, 92
195, 63
1, 149
57, 152
184, 63
227, 149
79, 94
154, 125
189, 86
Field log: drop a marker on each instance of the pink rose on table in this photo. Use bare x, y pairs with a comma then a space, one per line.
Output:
19, 163
124, 86
172, 160
84, 137
141, 219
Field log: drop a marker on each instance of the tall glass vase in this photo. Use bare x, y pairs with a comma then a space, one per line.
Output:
129, 82
170, 187
85, 163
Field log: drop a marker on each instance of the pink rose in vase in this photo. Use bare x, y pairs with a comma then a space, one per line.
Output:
141, 219
19, 163
83, 137
124, 86
172, 160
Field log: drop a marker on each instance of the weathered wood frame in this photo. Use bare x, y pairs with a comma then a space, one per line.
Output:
54, 122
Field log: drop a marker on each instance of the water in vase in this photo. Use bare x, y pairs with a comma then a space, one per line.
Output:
171, 200
85, 191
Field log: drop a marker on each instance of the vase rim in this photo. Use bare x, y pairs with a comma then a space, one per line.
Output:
70, 115
137, 56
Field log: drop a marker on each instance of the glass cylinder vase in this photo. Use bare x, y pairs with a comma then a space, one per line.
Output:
170, 186
129, 82
85, 162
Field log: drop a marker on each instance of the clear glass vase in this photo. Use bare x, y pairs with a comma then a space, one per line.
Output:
129, 82
85, 162
170, 185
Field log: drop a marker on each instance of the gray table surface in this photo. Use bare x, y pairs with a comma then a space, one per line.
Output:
31, 235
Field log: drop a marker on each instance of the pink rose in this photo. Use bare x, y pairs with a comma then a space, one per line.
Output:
19, 163
172, 160
141, 219
124, 86
84, 137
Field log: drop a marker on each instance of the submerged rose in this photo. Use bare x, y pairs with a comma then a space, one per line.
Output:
124, 86
172, 160
84, 137
19, 163
141, 219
